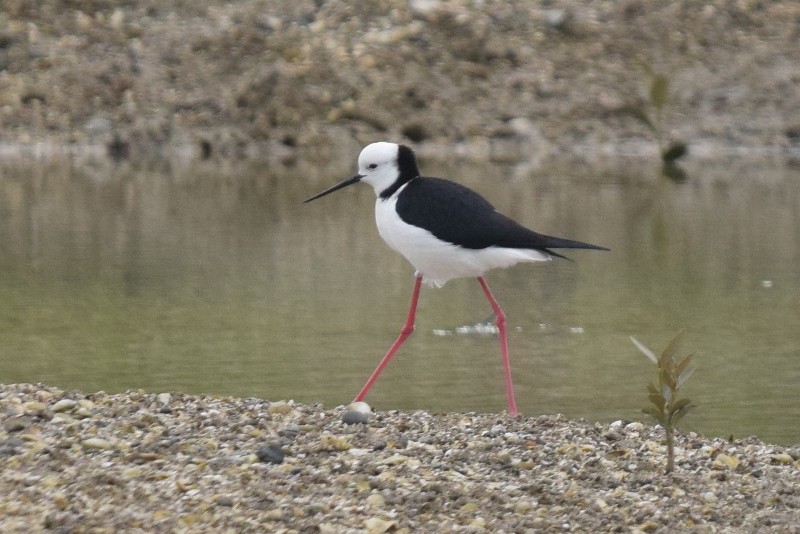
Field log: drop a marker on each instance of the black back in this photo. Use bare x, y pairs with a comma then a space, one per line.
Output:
458, 215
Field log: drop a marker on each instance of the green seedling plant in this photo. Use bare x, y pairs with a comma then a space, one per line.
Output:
653, 115
665, 405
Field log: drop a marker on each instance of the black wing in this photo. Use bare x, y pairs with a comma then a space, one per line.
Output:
459, 215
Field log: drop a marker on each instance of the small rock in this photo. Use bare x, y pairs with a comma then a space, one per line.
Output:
524, 464
523, 507
82, 413
781, 458
164, 398
335, 443
34, 407
97, 443
17, 423
558, 18
424, 8
352, 417
395, 459
223, 500
64, 405
375, 500
359, 406
710, 497
469, 507
86, 404
10, 447
272, 453
289, 432
723, 461
377, 525
274, 515
279, 408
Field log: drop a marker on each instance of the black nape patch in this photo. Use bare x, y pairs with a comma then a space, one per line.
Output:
406, 168
406, 163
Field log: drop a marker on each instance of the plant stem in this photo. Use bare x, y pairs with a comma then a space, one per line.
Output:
670, 448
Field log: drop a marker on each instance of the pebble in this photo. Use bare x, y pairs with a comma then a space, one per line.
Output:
97, 443
10, 447
360, 407
375, 500
280, 408
223, 500
82, 413
271, 453
782, 458
724, 461
351, 417
289, 432
17, 423
378, 525
34, 407
64, 405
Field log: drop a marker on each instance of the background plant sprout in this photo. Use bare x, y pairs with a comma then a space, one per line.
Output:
658, 98
665, 406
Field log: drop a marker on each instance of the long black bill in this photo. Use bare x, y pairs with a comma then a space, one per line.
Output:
345, 183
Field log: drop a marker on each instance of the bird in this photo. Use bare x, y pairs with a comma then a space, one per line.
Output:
446, 231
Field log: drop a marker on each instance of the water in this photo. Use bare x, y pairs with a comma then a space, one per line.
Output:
202, 279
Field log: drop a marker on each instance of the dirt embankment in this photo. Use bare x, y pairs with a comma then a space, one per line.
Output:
276, 78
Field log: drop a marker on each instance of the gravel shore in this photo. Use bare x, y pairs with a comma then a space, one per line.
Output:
141, 462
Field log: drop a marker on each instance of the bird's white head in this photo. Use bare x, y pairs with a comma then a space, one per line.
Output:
378, 165
384, 166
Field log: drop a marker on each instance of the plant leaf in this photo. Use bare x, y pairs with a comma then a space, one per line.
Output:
656, 397
638, 113
679, 404
681, 365
667, 380
669, 352
677, 416
659, 90
684, 376
658, 401
647, 352
674, 152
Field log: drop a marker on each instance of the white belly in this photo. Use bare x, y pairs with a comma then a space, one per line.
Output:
439, 261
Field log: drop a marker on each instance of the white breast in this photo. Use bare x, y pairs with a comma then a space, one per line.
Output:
437, 260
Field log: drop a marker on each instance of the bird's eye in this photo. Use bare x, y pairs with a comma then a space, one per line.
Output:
372, 166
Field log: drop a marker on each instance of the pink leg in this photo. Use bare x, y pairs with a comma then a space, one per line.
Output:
404, 333
501, 326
